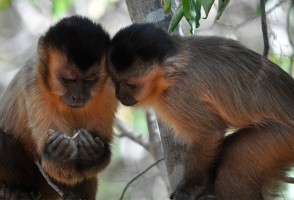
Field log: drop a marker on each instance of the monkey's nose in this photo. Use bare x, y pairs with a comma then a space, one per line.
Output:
78, 98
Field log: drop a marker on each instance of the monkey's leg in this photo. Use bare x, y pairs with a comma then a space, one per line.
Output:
204, 138
251, 159
197, 182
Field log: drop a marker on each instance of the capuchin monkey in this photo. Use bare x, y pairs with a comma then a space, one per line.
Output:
201, 87
59, 110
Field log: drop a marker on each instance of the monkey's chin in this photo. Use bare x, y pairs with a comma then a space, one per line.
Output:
129, 103
75, 105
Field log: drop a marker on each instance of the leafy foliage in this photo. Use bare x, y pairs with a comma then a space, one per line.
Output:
4, 4
60, 7
191, 10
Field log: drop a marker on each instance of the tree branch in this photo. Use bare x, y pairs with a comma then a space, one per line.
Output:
154, 139
264, 28
55, 187
132, 135
137, 176
252, 18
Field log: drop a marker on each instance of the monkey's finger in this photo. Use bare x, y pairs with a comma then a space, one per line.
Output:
90, 139
83, 140
68, 152
55, 143
99, 142
52, 137
65, 143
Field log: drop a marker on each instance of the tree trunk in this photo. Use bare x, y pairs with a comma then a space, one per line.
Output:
151, 11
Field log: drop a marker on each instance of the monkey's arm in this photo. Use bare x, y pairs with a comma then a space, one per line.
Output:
204, 138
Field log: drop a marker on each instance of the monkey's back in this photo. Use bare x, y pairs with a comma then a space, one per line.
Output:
241, 86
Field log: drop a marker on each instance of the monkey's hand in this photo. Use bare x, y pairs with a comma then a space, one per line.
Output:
190, 191
90, 149
9, 194
60, 148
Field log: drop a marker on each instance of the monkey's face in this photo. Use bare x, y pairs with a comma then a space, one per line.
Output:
139, 90
77, 87
71, 85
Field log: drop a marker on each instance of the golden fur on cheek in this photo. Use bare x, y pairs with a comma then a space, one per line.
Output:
154, 84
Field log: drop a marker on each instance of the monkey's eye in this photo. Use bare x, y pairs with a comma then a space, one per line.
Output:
68, 80
91, 81
132, 86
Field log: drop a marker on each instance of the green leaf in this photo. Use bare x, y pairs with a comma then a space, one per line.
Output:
195, 15
206, 4
222, 4
187, 9
178, 15
258, 9
197, 5
60, 7
166, 4
4, 4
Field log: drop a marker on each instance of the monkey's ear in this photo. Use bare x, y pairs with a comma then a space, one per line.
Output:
43, 55
40, 44
173, 67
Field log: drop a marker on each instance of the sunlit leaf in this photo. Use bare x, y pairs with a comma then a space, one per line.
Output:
60, 7
195, 15
197, 6
178, 15
258, 9
166, 4
187, 9
4, 4
222, 4
206, 4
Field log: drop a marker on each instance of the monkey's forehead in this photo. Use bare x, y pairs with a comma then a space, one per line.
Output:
140, 41
82, 40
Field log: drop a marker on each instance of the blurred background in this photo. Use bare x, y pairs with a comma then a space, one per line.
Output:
23, 21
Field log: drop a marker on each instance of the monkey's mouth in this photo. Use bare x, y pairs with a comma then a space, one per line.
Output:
74, 103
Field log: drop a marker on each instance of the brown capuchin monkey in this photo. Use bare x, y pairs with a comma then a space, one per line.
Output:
201, 87
58, 110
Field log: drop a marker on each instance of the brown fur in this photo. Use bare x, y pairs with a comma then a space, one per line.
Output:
29, 109
213, 84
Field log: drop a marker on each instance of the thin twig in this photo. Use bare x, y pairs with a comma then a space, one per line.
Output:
132, 135
252, 18
276, 5
137, 176
264, 28
55, 187
154, 135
